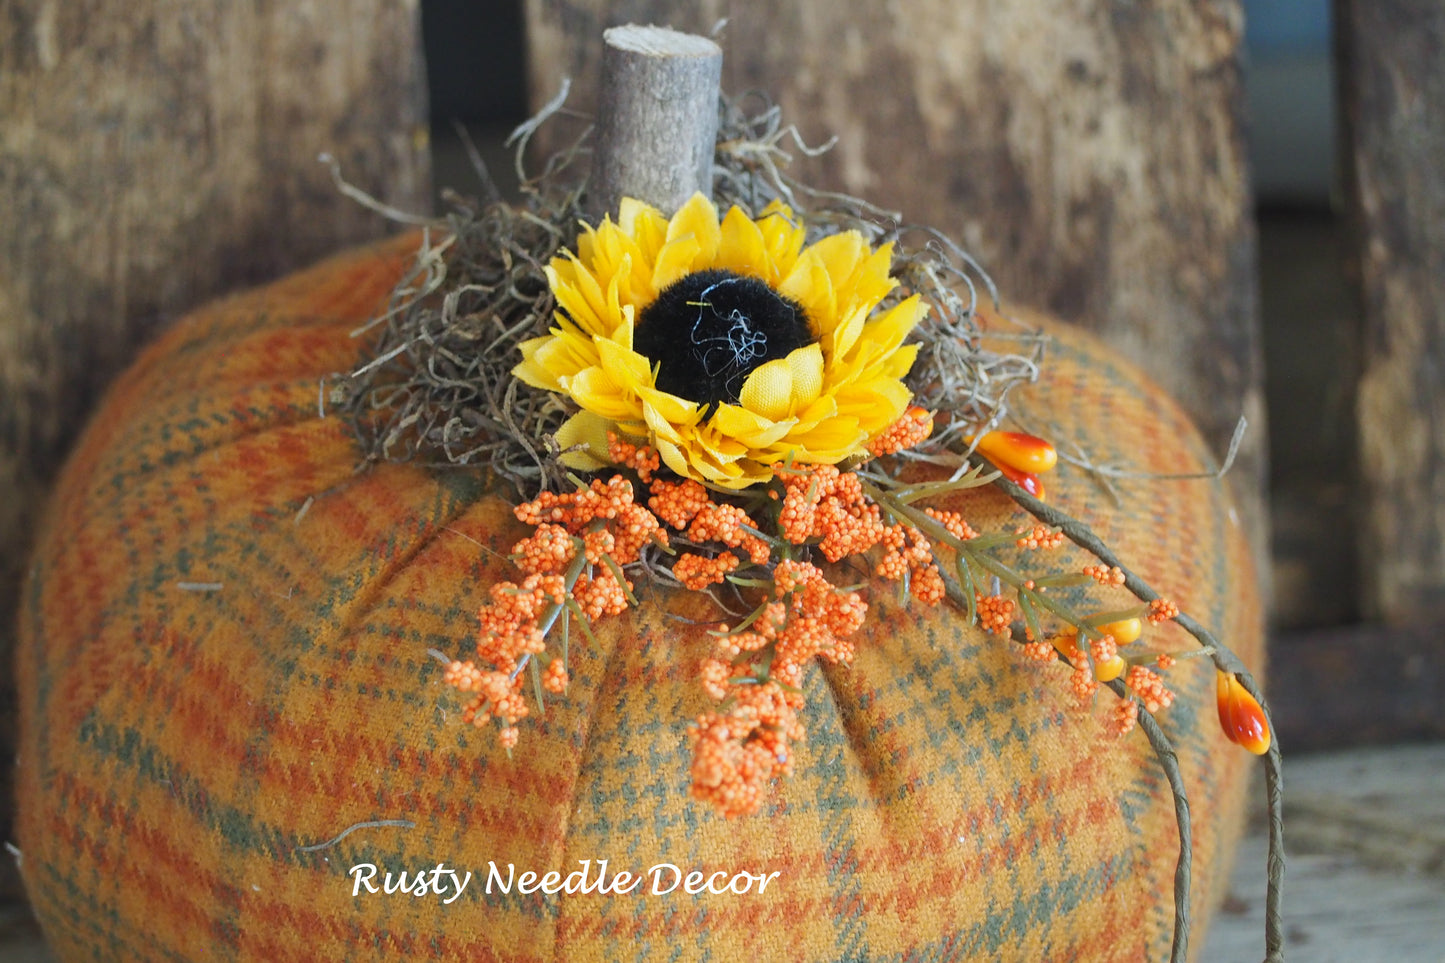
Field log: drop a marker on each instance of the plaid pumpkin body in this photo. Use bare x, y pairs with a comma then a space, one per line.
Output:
224, 663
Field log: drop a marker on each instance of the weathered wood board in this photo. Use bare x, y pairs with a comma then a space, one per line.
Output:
1090, 155
1365, 882
153, 155
1393, 92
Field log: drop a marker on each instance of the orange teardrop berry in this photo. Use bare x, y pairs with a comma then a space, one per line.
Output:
1240, 715
1107, 670
1124, 631
1016, 450
1028, 482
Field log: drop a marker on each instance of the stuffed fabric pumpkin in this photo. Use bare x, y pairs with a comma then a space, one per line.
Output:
224, 665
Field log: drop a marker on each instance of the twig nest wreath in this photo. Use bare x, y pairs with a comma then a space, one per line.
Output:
683, 608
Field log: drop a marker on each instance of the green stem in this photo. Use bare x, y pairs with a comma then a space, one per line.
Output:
1169, 762
1225, 661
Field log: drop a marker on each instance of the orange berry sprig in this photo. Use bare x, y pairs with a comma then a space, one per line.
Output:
1096, 662
573, 560
914, 426
1104, 574
756, 670
755, 673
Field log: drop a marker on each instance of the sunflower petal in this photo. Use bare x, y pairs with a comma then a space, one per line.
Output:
888, 331
835, 437
876, 404
623, 365
674, 261
839, 342
594, 390
768, 391
697, 218
581, 297
783, 236
825, 406
548, 360
841, 255
748, 427
743, 250
806, 364
533, 371
590, 430
678, 411
587, 242
900, 362
643, 223
810, 285
872, 281
672, 456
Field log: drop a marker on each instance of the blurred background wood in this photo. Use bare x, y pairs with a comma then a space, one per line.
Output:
1090, 156
153, 156
1357, 685
1394, 139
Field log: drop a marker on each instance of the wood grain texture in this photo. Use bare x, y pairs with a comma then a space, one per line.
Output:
1354, 685
657, 118
1090, 155
1366, 874
1394, 97
153, 155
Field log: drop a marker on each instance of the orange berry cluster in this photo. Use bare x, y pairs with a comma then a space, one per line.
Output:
908, 553
686, 506
1150, 688
605, 527
915, 425
820, 502
995, 613
508, 635
1083, 682
642, 459
738, 752
1123, 719
1039, 536
603, 506
1162, 610
954, 522
697, 572
1105, 575
757, 673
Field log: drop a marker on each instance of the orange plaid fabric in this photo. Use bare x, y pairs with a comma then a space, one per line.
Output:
215, 681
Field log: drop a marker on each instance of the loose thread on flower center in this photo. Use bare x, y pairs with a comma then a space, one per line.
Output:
708, 331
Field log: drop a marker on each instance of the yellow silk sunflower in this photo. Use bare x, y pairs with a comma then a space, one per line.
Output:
728, 346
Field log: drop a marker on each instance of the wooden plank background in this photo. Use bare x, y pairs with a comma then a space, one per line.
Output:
153, 155
1393, 93
1090, 155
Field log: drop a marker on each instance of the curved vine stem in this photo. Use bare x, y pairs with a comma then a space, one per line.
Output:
1183, 870
1226, 661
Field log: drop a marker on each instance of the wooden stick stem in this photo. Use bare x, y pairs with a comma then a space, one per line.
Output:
656, 118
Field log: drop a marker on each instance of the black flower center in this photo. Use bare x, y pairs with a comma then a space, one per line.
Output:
706, 333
